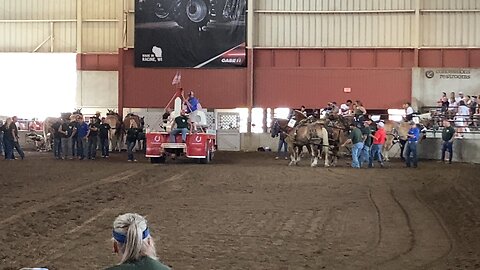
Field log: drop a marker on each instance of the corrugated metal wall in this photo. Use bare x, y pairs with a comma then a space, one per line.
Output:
367, 23
447, 23
26, 25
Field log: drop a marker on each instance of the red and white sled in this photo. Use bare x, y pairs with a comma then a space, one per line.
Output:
200, 146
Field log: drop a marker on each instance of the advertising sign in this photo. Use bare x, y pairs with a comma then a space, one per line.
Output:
190, 33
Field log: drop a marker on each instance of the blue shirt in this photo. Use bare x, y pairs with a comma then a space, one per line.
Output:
414, 131
82, 130
193, 104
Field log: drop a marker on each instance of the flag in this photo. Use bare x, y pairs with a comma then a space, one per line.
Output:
176, 80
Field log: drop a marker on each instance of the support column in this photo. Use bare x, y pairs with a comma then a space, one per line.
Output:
79, 26
121, 77
250, 64
417, 33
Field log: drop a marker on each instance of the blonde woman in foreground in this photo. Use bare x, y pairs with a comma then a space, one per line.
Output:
134, 244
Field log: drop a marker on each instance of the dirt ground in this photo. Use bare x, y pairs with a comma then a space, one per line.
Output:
244, 211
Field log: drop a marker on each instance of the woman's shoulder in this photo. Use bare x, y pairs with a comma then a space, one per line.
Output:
146, 263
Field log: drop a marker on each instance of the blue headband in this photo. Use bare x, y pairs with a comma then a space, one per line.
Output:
123, 239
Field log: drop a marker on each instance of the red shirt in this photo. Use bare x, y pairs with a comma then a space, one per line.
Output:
380, 136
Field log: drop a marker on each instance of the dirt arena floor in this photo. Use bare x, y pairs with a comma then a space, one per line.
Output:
244, 211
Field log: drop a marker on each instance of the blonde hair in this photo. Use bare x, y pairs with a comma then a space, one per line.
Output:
137, 240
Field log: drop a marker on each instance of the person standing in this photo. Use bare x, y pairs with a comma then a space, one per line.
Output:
92, 136
408, 112
8, 139
132, 136
367, 143
81, 137
57, 139
379, 139
192, 105
448, 134
282, 135
16, 144
411, 147
356, 139
67, 129
103, 136
346, 108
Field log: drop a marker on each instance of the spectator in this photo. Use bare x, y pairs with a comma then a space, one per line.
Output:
473, 110
356, 139
461, 118
411, 147
359, 111
103, 130
92, 136
132, 137
443, 102
303, 110
378, 141
134, 244
57, 139
448, 133
408, 112
452, 103
459, 98
346, 108
81, 137
8, 139
181, 126
16, 145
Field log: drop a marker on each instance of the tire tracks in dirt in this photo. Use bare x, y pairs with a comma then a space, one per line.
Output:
427, 235
66, 197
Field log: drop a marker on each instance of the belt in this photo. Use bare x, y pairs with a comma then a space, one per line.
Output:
412, 141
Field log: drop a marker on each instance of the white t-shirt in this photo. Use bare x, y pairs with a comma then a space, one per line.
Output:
463, 111
344, 109
409, 110
457, 99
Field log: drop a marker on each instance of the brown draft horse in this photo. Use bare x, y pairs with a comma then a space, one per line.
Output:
312, 135
116, 132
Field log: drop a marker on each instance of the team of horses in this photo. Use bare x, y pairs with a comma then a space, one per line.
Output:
324, 137
116, 134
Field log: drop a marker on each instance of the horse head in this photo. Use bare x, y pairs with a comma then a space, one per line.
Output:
111, 112
77, 111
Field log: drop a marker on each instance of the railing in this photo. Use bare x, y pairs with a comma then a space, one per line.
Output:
473, 120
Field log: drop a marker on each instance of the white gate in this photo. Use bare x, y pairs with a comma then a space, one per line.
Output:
228, 131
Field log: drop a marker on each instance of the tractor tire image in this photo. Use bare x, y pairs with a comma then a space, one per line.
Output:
192, 14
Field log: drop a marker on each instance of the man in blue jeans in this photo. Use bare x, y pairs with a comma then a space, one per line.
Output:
282, 144
1, 139
181, 126
411, 147
356, 138
367, 143
81, 138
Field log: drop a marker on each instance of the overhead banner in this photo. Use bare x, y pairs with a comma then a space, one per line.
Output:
190, 33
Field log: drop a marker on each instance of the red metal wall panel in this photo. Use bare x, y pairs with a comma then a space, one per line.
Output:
475, 58
430, 58
362, 58
389, 58
286, 58
337, 58
152, 88
455, 58
263, 58
312, 58
292, 87
97, 62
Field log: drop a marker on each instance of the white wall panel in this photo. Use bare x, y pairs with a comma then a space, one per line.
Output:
335, 30
450, 29
25, 24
